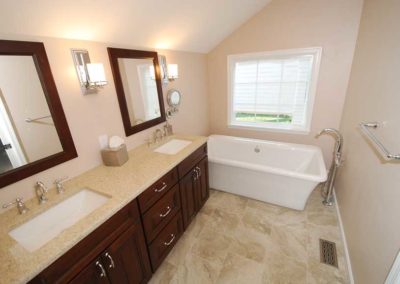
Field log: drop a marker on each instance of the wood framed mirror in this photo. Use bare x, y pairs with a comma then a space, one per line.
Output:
137, 79
34, 133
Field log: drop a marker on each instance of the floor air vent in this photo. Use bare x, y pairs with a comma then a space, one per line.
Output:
328, 252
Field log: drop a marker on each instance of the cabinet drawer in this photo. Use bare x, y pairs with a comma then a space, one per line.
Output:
157, 190
165, 241
186, 165
161, 213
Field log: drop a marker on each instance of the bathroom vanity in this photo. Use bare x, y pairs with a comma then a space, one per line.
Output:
152, 200
135, 240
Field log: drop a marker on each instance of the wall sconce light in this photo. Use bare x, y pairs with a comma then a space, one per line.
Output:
91, 75
173, 72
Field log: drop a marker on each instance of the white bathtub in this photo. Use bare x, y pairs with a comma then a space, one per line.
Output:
280, 173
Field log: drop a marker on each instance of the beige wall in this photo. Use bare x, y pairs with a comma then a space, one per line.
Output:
287, 24
367, 188
93, 115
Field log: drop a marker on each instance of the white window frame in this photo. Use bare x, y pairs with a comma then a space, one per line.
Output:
275, 127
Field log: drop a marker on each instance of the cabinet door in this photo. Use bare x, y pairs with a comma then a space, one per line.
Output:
126, 259
202, 186
94, 273
187, 186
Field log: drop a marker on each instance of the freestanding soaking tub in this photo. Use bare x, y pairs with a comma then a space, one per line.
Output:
280, 173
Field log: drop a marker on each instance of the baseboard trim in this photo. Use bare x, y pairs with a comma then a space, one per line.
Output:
346, 250
394, 273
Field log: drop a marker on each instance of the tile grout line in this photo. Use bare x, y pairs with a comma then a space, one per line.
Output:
343, 235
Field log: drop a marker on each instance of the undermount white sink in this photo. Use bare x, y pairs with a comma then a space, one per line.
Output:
172, 147
39, 230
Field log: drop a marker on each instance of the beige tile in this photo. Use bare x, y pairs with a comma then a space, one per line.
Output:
238, 240
284, 270
196, 269
250, 245
182, 248
211, 245
320, 273
197, 224
256, 222
226, 220
165, 274
276, 215
230, 202
239, 269
292, 241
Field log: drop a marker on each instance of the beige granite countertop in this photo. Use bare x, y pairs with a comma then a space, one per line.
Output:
123, 184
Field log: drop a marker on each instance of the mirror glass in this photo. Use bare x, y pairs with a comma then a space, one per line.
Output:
27, 130
174, 98
140, 88
137, 78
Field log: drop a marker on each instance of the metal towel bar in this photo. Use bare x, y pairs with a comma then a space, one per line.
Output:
36, 119
365, 127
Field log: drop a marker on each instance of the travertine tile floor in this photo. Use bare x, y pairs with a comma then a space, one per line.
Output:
239, 240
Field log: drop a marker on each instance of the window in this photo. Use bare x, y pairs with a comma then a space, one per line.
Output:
273, 90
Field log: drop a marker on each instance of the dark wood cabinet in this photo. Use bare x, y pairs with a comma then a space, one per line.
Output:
203, 186
115, 252
126, 259
159, 215
195, 190
94, 273
165, 241
187, 187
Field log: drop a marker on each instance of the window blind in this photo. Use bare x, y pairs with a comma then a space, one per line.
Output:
273, 86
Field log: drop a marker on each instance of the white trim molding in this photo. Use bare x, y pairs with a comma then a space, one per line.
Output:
346, 249
394, 273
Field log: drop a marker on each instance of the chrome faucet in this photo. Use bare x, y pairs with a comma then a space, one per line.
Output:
59, 184
41, 191
327, 190
22, 209
158, 135
338, 145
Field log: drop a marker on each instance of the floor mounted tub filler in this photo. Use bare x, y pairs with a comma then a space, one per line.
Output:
280, 173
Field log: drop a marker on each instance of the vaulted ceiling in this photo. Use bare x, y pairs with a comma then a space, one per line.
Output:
190, 25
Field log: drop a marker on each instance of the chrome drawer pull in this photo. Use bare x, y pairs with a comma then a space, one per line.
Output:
111, 260
162, 188
103, 272
199, 170
166, 213
170, 242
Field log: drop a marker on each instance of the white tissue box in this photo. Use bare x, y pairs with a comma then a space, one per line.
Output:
115, 157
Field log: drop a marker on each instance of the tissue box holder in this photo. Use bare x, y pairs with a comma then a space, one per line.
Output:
115, 157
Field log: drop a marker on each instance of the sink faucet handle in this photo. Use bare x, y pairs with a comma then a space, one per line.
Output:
41, 185
20, 205
59, 184
41, 191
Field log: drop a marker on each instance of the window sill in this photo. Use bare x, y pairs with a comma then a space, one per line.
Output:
264, 128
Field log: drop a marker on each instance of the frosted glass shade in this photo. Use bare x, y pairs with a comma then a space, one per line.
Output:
172, 71
96, 73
